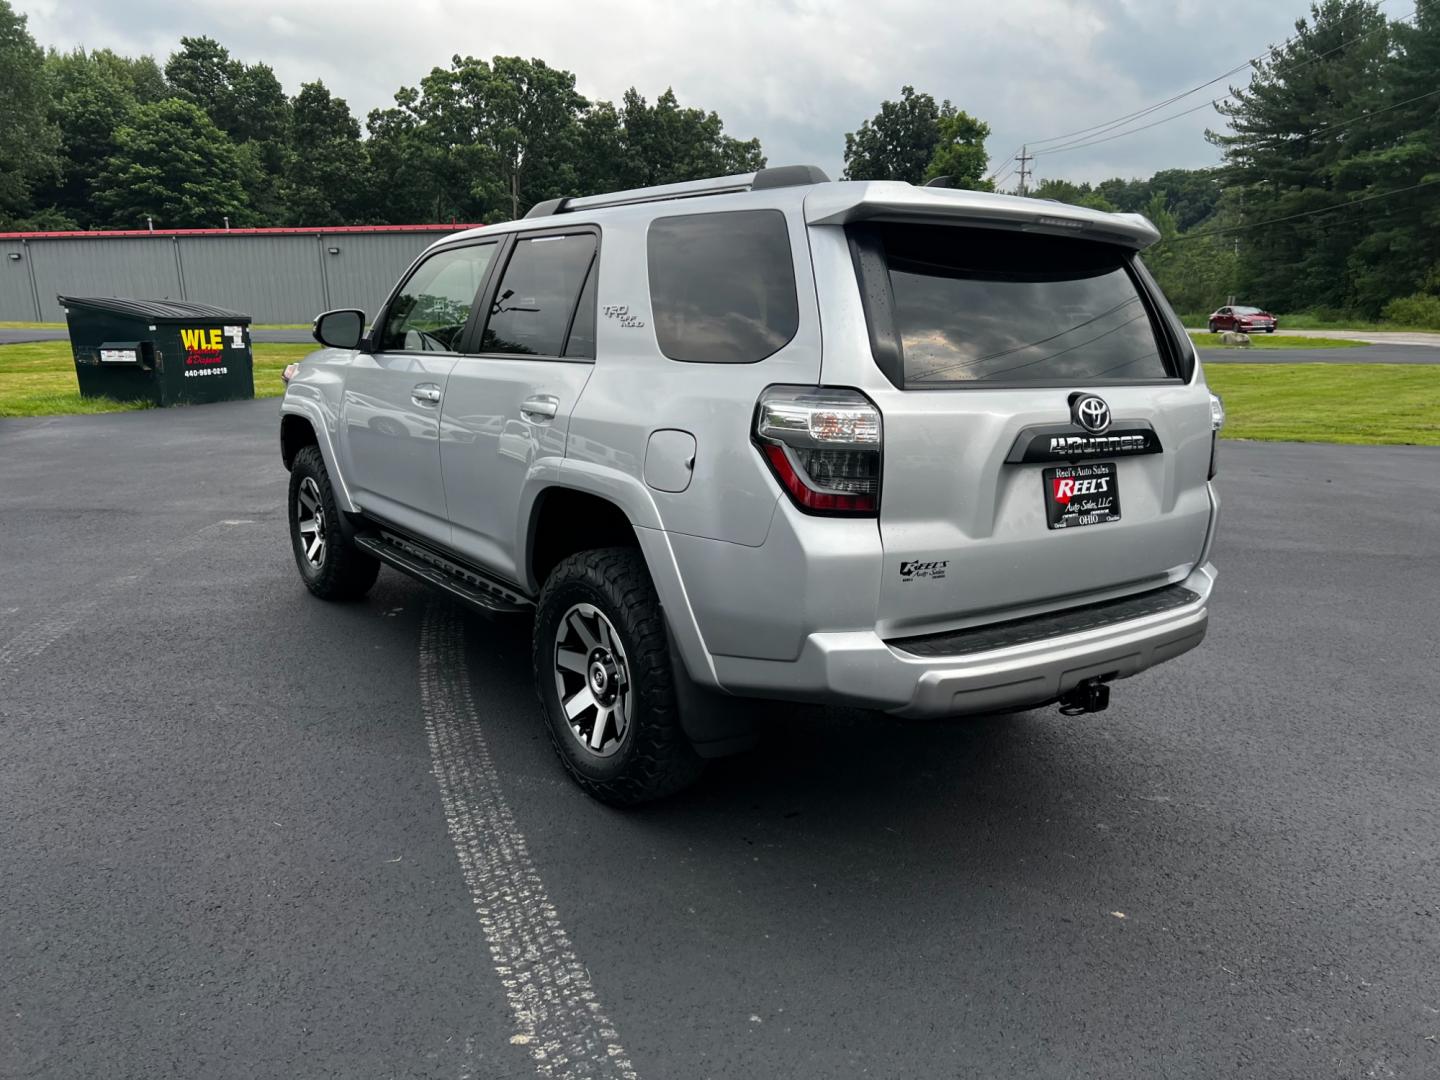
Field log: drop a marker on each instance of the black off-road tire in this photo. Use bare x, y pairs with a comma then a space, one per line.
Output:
654, 758
342, 571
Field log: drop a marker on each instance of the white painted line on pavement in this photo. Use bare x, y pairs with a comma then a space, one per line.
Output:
552, 1001
32, 642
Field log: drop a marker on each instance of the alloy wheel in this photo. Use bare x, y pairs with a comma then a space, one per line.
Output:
592, 678
310, 522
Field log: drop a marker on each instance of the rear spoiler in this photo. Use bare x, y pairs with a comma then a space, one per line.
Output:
842, 203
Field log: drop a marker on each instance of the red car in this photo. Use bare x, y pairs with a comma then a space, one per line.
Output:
1247, 320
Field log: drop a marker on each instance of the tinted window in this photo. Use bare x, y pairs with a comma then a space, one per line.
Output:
431, 310
582, 331
722, 286
536, 299
985, 305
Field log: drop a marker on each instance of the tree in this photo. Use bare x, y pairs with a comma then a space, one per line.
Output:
1292, 153
203, 74
404, 176
247, 103
1192, 195
172, 164
666, 143
898, 142
91, 99
325, 170
1076, 194
29, 139
960, 151
1196, 272
1400, 251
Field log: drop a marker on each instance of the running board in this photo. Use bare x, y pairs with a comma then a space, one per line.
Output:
434, 569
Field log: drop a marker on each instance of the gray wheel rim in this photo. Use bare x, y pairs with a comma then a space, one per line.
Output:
592, 678
310, 522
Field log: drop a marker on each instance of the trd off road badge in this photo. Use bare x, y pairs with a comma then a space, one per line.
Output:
914, 570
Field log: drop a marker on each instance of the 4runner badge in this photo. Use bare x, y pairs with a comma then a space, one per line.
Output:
910, 570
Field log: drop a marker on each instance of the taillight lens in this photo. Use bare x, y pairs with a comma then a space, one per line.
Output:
1217, 421
823, 445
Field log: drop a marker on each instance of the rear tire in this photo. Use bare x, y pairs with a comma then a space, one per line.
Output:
602, 671
330, 564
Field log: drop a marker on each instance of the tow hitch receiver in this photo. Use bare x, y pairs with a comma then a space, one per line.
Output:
1092, 695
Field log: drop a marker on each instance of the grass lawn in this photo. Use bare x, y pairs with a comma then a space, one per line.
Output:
38, 379
1348, 403
1274, 341
1340, 403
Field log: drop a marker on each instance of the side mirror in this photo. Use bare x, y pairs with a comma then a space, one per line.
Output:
340, 329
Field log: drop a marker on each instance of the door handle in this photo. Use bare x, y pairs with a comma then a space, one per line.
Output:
426, 394
540, 408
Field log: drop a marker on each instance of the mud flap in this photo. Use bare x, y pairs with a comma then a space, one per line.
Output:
717, 724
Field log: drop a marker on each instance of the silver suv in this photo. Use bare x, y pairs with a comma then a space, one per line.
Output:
927, 451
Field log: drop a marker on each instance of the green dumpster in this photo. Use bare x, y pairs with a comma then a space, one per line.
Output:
167, 352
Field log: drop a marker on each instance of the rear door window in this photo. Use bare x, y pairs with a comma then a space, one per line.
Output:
722, 286
535, 302
992, 307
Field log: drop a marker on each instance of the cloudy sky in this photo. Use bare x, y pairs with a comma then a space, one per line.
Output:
796, 73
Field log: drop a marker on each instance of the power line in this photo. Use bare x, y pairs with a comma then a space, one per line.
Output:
1084, 136
1357, 119
1131, 131
1252, 225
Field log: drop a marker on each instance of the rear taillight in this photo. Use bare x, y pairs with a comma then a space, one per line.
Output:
823, 445
1217, 421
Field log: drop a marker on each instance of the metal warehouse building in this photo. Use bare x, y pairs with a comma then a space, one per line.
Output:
276, 275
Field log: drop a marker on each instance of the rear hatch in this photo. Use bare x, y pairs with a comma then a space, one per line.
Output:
1044, 442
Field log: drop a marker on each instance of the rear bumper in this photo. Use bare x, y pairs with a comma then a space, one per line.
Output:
859, 668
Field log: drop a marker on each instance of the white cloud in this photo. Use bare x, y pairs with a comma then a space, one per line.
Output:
796, 73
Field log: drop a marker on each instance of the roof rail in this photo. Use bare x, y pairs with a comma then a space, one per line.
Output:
762, 180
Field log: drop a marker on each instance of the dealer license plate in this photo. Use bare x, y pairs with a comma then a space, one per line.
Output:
1079, 495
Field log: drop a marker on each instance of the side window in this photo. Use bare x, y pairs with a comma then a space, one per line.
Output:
431, 310
722, 286
581, 342
536, 300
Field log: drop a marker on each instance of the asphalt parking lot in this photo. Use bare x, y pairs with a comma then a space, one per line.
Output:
249, 834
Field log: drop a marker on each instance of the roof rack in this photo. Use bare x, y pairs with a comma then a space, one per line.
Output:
777, 177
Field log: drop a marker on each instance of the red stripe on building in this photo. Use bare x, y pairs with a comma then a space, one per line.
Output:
299, 230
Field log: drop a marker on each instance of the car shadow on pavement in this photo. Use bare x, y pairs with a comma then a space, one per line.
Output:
1001, 787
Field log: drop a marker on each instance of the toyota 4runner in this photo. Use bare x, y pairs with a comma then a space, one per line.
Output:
926, 451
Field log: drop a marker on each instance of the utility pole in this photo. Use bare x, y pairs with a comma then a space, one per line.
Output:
1024, 159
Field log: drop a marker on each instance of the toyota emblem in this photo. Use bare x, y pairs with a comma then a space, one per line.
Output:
1091, 413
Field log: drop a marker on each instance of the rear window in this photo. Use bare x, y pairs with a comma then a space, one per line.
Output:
722, 286
978, 306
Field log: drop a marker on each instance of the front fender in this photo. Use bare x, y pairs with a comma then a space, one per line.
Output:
307, 402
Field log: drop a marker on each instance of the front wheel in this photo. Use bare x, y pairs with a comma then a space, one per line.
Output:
1212, 326
602, 670
330, 564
